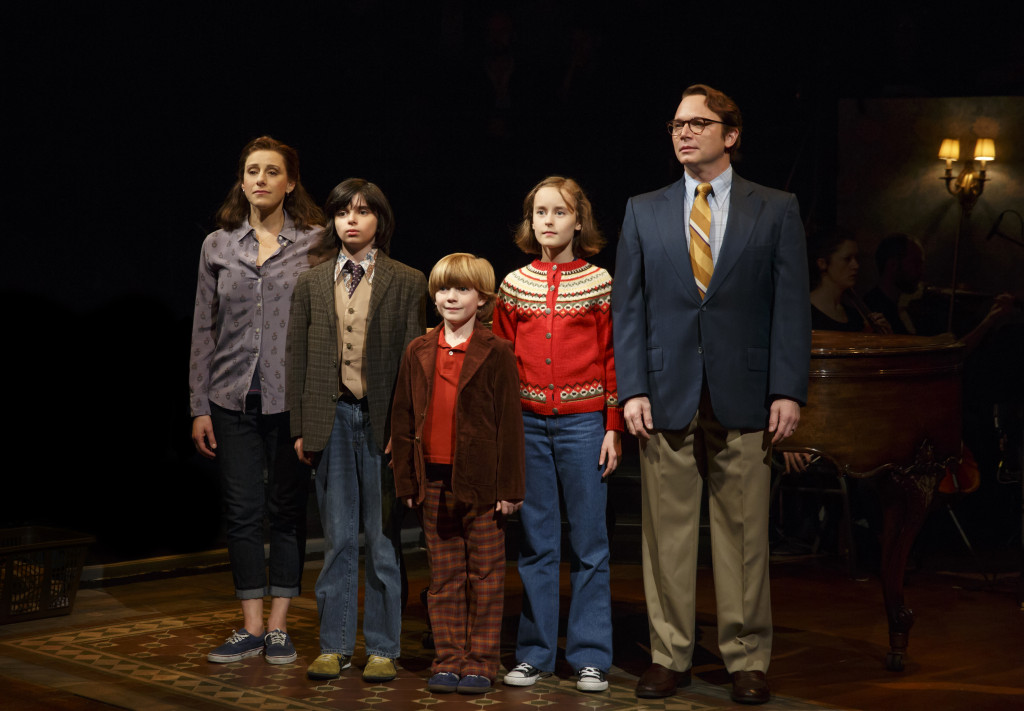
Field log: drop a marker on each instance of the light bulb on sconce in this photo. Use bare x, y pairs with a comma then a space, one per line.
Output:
967, 186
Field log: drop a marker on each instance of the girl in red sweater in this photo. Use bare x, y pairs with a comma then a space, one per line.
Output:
557, 313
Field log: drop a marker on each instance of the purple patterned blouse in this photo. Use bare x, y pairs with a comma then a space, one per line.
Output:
241, 317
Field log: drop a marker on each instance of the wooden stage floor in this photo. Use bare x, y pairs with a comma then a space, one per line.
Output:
142, 645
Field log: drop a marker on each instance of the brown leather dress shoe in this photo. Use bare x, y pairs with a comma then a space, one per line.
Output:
658, 682
749, 687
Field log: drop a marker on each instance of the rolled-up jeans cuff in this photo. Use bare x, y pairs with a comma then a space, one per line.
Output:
276, 591
253, 594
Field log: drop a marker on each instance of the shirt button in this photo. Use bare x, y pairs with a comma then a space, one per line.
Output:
334, 397
451, 353
700, 349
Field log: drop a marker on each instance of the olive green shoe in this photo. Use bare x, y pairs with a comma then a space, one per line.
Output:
379, 669
328, 666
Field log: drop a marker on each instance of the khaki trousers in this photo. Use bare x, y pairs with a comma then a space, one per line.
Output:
674, 464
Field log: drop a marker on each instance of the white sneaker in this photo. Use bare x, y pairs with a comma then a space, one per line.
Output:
591, 679
524, 675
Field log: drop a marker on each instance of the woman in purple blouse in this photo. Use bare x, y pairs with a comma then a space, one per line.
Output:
269, 234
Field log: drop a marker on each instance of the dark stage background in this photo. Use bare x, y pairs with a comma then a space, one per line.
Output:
128, 120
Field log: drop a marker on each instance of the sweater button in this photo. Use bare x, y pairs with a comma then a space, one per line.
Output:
554, 410
547, 335
547, 361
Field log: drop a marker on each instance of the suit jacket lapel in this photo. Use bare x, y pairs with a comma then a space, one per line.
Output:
383, 273
743, 209
476, 354
672, 231
325, 288
426, 355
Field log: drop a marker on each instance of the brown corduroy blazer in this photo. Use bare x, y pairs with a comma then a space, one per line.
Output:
397, 315
489, 462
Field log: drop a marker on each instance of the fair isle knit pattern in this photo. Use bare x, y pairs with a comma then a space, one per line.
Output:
559, 318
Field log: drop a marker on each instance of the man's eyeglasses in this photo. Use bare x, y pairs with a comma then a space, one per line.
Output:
696, 124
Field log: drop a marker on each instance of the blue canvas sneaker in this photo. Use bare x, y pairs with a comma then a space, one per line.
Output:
279, 647
238, 646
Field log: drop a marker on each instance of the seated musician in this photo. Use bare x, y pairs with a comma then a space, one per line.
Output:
900, 261
832, 257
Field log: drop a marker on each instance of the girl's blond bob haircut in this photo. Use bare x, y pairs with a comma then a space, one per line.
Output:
465, 270
586, 241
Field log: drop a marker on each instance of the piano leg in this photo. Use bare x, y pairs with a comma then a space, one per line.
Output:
907, 493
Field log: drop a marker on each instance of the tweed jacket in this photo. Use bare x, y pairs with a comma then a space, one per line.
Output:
488, 461
397, 315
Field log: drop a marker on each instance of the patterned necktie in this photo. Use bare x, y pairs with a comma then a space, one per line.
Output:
700, 239
356, 271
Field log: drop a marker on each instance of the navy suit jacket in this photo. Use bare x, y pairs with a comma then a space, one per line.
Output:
751, 334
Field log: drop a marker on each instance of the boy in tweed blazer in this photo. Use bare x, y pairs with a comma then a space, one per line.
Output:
351, 320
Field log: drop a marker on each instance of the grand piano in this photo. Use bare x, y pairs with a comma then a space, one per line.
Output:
888, 407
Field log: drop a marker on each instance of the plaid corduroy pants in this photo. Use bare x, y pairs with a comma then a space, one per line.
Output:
466, 550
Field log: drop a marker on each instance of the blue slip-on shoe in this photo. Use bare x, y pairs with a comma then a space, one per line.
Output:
474, 684
238, 646
443, 683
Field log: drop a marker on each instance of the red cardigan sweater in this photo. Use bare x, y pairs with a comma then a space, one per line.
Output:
558, 317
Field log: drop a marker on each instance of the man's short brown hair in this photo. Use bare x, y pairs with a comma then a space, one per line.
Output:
722, 105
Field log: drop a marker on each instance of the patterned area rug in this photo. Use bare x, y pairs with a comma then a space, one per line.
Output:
170, 652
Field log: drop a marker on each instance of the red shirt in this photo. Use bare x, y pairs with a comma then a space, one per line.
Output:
438, 428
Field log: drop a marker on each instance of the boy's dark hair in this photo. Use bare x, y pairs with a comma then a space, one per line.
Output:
342, 196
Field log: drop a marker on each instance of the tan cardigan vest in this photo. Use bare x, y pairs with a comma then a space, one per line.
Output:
352, 313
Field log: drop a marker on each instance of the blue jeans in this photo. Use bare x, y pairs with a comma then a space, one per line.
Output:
565, 449
348, 488
259, 473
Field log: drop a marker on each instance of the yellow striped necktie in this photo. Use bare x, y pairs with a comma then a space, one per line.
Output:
700, 239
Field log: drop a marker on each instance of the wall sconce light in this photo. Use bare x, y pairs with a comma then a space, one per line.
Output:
967, 186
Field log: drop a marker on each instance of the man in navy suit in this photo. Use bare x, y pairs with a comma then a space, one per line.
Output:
712, 374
